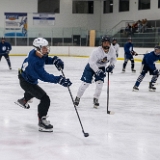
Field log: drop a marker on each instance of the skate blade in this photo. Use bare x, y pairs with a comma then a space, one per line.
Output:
134, 90
96, 107
152, 90
45, 130
30, 101
21, 105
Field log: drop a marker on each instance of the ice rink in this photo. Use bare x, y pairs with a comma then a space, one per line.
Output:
132, 133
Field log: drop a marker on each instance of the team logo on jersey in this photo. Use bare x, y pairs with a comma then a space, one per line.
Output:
104, 60
130, 48
4, 48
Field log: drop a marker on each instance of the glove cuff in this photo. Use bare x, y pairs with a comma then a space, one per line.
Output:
60, 79
54, 59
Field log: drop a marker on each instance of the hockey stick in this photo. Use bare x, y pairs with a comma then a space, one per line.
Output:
140, 54
108, 112
85, 134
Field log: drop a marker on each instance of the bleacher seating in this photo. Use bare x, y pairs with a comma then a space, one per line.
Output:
149, 38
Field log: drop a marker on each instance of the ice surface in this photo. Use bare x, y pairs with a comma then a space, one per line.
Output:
132, 133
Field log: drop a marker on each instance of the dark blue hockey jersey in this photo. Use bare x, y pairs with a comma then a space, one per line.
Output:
149, 60
128, 47
33, 69
5, 47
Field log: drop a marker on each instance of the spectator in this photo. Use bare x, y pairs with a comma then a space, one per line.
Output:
140, 26
128, 29
144, 24
134, 27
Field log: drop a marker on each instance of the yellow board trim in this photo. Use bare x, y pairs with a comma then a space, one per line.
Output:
63, 55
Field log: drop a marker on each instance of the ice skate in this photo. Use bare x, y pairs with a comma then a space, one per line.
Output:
151, 87
123, 70
133, 70
22, 103
135, 89
95, 102
76, 101
44, 125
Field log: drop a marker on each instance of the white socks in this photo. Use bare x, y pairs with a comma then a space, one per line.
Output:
99, 85
82, 89
84, 86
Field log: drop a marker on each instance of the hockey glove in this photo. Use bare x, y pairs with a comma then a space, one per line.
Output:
133, 53
136, 54
64, 82
100, 73
110, 68
58, 63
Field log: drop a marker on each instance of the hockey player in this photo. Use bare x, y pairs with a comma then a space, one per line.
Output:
148, 65
115, 45
95, 68
128, 55
5, 48
33, 69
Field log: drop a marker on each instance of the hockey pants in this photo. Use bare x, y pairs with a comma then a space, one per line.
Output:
145, 69
126, 61
33, 90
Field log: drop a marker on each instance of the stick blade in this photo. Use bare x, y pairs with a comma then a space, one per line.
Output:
86, 134
110, 112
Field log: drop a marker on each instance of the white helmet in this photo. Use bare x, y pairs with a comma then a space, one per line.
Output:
38, 43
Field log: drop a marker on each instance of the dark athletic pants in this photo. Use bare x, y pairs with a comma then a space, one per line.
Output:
6, 56
33, 90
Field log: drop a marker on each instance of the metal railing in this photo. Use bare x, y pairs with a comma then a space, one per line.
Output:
148, 38
55, 36
117, 27
80, 36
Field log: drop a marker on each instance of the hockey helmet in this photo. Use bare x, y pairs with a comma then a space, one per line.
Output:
106, 38
40, 42
157, 47
114, 39
157, 50
3, 39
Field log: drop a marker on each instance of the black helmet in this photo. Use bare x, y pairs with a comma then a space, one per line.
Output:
106, 38
156, 47
155, 50
114, 39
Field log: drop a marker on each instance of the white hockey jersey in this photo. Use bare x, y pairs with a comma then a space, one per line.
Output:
116, 47
99, 58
